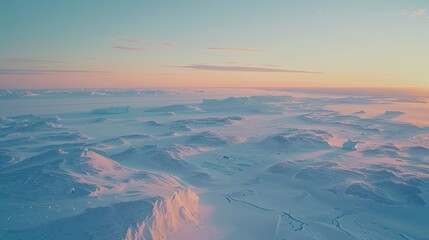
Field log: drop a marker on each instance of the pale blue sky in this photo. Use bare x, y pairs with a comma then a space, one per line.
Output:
167, 43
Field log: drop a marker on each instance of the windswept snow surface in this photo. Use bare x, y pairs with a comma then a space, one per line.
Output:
214, 164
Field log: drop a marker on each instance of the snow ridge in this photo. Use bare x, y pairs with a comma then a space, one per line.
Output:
167, 216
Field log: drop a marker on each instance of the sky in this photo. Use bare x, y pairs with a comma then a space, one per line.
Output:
206, 43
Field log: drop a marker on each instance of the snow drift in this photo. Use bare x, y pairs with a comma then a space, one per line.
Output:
299, 139
167, 216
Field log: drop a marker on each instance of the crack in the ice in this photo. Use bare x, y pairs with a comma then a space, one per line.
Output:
391, 230
250, 204
403, 236
338, 225
301, 223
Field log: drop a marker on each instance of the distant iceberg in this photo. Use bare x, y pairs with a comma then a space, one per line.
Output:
350, 145
111, 110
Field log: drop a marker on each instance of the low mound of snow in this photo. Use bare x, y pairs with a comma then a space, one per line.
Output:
359, 112
181, 127
379, 174
41, 177
63, 136
218, 121
366, 191
284, 168
390, 115
402, 192
167, 158
336, 119
5, 159
124, 140
167, 216
111, 110
269, 99
240, 104
66, 145
418, 152
99, 120
388, 150
175, 109
199, 179
153, 123
212, 139
92, 163
170, 114
27, 124
136, 136
299, 139
324, 173
119, 141
41, 125
21, 141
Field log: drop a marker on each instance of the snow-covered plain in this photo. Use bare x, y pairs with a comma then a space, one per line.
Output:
214, 164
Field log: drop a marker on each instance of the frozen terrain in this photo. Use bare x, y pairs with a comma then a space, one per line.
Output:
214, 164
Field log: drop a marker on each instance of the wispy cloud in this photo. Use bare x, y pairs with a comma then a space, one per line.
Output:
129, 43
45, 71
127, 48
418, 12
235, 49
166, 45
30, 61
242, 69
253, 65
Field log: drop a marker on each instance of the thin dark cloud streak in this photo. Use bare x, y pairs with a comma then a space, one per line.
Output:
235, 49
243, 69
45, 71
